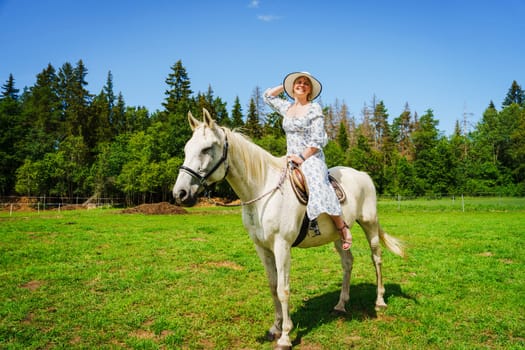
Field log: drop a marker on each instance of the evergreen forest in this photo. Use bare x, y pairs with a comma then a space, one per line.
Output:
57, 139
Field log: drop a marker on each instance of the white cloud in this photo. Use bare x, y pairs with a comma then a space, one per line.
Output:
268, 18
254, 4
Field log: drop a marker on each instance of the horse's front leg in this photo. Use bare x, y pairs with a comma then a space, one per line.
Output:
282, 263
268, 260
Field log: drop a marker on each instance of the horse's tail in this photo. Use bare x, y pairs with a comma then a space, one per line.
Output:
393, 244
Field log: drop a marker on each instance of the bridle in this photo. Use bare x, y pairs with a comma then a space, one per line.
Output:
202, 178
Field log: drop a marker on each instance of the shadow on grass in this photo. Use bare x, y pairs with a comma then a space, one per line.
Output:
318, 311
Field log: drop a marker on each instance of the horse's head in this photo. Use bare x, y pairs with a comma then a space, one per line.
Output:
205, 160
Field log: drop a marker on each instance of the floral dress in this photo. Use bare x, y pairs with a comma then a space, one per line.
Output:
303, 132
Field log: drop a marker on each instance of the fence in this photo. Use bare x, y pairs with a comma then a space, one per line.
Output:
16, 203
436, 201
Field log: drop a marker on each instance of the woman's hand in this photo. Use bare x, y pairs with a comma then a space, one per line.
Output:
296, 159
275, 91
301, 157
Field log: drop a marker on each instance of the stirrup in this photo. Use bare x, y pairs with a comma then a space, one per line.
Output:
346, 243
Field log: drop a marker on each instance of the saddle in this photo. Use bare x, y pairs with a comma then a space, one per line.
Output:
300, 188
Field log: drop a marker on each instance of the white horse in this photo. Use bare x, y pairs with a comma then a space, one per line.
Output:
271, 212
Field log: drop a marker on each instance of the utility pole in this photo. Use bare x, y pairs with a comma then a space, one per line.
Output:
466, 115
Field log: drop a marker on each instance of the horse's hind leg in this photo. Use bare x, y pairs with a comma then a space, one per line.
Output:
371, 229
347, 260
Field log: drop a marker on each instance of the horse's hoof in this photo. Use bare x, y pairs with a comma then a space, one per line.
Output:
339, 311
380, 307
270, 336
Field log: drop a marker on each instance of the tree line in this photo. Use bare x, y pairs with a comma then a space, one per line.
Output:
59, 139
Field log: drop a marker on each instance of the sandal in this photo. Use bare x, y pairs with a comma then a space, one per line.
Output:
347, 242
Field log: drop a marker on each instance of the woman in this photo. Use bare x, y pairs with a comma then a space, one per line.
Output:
303, 123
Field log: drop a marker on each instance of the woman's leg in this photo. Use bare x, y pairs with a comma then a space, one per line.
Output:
344, 231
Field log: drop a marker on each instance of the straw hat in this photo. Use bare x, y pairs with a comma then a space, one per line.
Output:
290, 78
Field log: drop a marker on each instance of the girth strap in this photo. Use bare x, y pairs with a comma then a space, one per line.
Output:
302, 232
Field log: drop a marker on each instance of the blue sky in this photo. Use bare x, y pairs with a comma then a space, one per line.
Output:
453, 56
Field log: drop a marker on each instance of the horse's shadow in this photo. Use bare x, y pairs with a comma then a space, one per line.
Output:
317, 311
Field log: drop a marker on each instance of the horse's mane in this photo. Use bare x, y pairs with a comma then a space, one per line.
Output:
256, 159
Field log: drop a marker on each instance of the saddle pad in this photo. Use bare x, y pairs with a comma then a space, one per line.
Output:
300, 187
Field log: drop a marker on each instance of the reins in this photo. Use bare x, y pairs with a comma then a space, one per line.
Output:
202, 178
278, 187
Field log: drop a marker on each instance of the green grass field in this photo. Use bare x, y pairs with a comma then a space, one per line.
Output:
101, 279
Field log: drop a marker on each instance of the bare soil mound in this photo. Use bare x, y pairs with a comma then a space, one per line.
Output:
71, 207
217, 201
155, 209
22, 204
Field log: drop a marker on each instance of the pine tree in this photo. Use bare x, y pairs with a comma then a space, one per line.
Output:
402, 128
80, 107
43, 102
517, 150
236, 120
333, 116
177, 105
221, 113
102, 120
74, 98
119, 121
9, 90
252, 127
344, 112
108, 90
488, 134
515, 95
41, 109
381, 126
273, 125
214, 105
366, 128
206, 101
99, 120
110, 99
11, 131
329, 122
425, 138
179, 91
342, 137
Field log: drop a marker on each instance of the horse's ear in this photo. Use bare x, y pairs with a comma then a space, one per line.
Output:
207, 118
194, 123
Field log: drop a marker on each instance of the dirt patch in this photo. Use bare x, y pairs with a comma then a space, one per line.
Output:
32, 285
149, 334
155, 209
486, 254
22, 204
216, 201
227, 265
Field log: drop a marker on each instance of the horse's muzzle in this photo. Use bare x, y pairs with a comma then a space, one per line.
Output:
184, 197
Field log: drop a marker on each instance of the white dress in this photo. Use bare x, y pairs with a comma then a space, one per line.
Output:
303, 132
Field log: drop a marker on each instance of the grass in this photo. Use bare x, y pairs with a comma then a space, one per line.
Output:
100, 279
